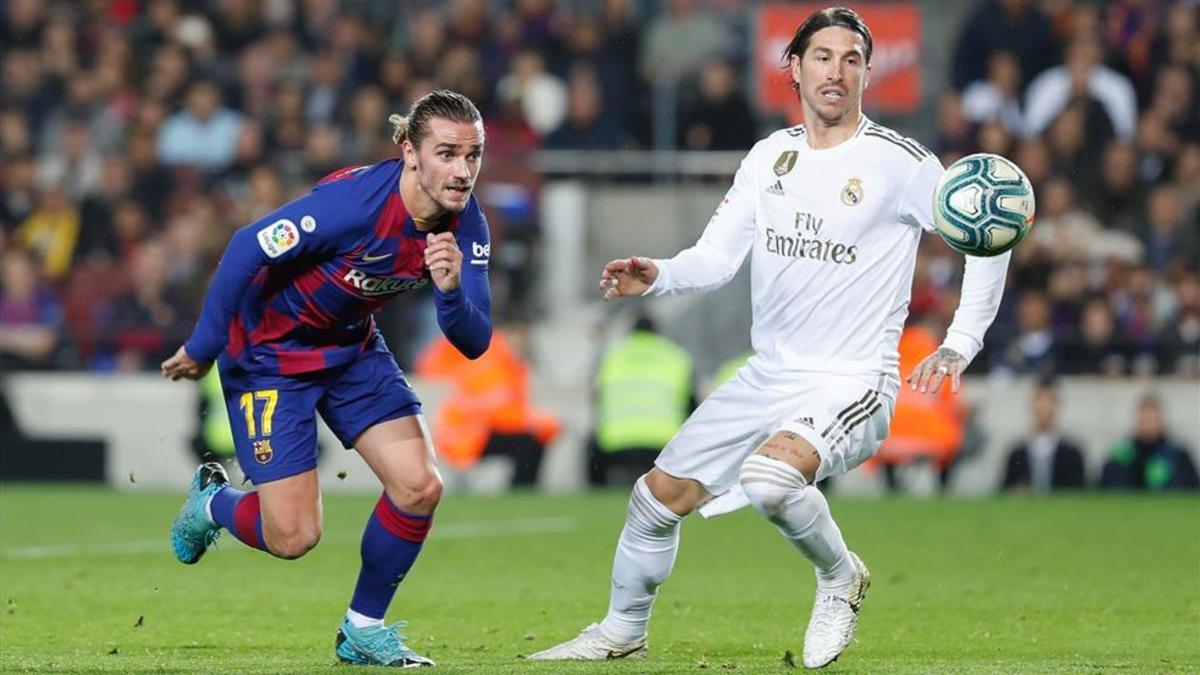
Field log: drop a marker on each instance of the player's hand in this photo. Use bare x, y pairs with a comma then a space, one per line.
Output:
936, 367
627, 276
444, 260
182, 366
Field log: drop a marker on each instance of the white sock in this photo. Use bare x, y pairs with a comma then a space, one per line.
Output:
781, 493
362, 620
645, 555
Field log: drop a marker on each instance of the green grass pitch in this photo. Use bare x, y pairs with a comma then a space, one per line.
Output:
1075, 584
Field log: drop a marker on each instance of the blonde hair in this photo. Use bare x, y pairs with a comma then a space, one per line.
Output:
438, 104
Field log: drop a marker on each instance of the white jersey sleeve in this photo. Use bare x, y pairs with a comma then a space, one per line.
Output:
916, 203
722, 248
982, 288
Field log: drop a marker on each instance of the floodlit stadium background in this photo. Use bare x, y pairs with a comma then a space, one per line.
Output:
137, 135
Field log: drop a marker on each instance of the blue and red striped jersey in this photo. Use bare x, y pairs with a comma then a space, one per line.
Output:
294, 292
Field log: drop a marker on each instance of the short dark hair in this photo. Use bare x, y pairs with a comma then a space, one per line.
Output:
830, 16
437, 104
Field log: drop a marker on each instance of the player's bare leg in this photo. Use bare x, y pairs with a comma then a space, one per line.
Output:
778, 479
291, 514
400, 454
643, 561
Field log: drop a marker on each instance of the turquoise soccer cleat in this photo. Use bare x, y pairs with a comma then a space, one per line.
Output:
376, 646
192, 532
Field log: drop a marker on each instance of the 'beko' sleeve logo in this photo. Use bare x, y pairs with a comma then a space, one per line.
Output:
480, 253
278, 238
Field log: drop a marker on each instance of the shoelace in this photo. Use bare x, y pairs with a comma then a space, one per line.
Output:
825, 613
387, 643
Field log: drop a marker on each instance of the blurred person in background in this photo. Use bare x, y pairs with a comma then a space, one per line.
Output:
1019, 27
588, 124
1046, 460
1170, 241
1083, 78
1031, 350
1149, 460
997, 98
30, 315
717, 116
204, 134
1120, 195
644, 391
681, 38
489, 410
1097, 346
140, 328
1180, 338
51, 232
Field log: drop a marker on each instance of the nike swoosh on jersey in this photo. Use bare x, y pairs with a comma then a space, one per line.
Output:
372, 258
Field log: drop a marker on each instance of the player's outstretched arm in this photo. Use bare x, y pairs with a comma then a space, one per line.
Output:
982, 289
627, 277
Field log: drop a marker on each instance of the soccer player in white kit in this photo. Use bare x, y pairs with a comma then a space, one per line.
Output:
833, 211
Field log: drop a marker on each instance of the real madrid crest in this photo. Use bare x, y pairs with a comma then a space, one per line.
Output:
263, 451
786, 162
852, 194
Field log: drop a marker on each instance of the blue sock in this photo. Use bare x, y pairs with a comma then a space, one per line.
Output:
239, 513
390, 545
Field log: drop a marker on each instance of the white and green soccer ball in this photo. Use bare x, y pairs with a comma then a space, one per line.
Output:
983, 205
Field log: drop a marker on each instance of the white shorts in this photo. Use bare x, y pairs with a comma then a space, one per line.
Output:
844, 417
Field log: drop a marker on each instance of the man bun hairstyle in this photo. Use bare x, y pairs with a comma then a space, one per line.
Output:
842, 17
438, 104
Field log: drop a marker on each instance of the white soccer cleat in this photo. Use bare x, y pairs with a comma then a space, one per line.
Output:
834, 619
591, 645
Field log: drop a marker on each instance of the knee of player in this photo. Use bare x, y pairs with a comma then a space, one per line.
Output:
420, 497
769, 483
295, 543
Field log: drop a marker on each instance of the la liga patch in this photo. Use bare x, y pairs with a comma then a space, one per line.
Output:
278, 238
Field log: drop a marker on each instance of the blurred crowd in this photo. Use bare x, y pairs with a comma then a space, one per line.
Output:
136, 135
1098, 103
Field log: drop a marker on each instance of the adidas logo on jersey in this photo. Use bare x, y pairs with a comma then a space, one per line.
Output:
776, 189
806, 421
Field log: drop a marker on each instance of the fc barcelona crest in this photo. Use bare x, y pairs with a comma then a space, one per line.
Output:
262, 451
852, 194
785, 163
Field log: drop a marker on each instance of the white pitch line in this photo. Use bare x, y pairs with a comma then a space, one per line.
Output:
469, 530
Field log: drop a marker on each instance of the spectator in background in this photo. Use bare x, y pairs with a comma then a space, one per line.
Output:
681, 38
76, 166
141, 327
718, 117
1082, 77
51, 232
1016, 26
1031, 351
1120, 196
953, 129
30, 315
1169, 241
1097, 346
18, 194
588, 125
541, 96
1180, 339
997, 98
204, 134
1149, 460
1046, 460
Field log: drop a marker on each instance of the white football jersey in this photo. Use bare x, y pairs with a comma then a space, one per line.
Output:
834, 235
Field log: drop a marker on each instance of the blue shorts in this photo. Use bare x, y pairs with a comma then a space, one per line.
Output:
273, 417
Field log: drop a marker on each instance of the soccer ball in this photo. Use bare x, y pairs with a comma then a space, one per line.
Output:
983, 205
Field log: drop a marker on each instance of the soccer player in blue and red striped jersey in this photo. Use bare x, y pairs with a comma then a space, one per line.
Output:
288, 320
